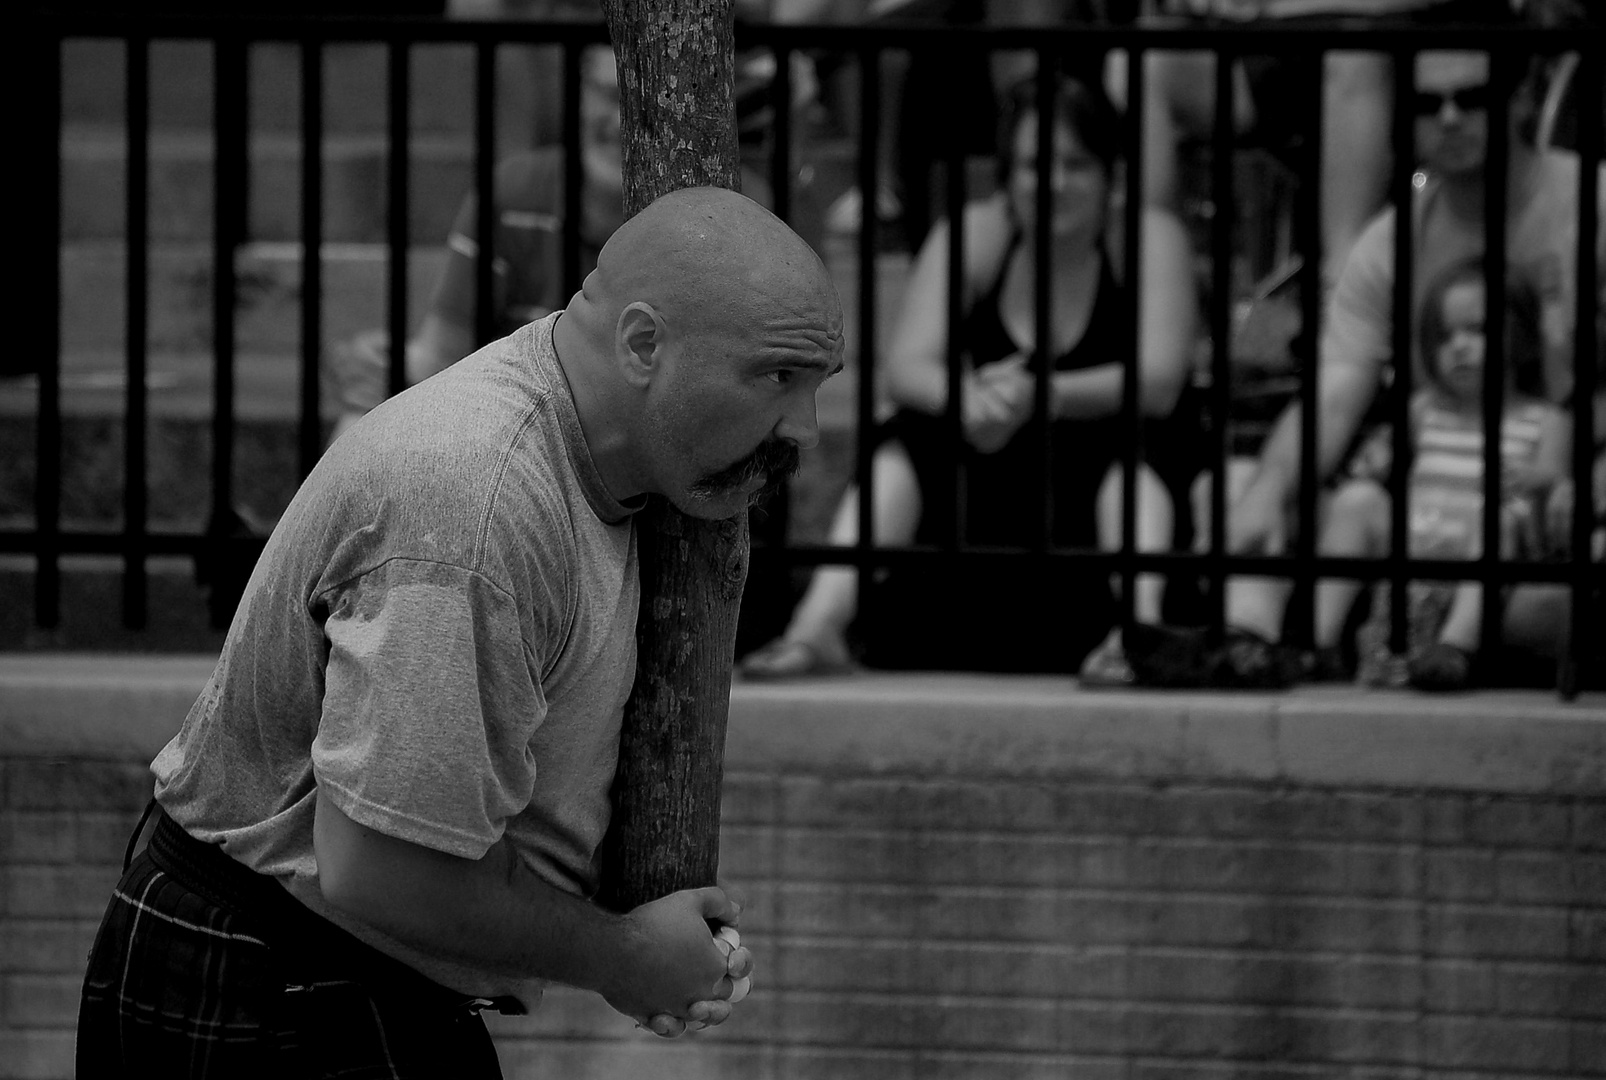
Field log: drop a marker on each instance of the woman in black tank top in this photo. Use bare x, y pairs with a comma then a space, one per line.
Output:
977, 480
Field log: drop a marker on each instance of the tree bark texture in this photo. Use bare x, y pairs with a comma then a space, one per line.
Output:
676, 62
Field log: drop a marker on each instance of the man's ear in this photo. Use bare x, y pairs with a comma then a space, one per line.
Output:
639, 342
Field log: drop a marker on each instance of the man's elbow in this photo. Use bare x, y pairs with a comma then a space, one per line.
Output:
337, 844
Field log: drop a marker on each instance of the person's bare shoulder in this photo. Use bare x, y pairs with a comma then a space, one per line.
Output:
989, 228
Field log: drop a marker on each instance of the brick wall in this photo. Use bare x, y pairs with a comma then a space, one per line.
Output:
971, 877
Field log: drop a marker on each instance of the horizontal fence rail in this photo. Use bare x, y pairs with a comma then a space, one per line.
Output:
224, 550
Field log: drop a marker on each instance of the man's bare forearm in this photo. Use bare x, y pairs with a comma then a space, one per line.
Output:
491, 913
1344, 395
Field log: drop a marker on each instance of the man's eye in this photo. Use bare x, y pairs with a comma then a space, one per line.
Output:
781, 377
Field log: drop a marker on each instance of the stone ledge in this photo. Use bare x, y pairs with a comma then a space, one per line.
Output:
971, 725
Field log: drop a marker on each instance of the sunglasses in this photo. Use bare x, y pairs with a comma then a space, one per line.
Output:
1466, 99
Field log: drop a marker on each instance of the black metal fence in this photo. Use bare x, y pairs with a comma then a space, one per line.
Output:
221, 546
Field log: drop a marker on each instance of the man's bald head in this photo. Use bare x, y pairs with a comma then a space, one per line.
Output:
697, 345
713, 258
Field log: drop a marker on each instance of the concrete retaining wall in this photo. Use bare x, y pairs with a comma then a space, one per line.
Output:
971, 876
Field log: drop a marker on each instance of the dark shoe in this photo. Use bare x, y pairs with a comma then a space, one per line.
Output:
1439, 668
1325, 665
1247, 661
1167, 657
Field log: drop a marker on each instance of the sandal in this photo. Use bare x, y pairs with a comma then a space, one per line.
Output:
791, 658
1106, 666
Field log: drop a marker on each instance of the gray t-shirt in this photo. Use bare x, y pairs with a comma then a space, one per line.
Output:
440, 634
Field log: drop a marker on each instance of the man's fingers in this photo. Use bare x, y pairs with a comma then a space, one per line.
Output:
665, 1026
737, 898
739, 964
716, 906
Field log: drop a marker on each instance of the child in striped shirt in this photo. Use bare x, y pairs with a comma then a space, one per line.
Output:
1446, 486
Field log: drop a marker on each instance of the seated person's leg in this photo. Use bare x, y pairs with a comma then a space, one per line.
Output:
1154, 531
1107, 664
1357, 526
1255, 604
1538, 619
815, 639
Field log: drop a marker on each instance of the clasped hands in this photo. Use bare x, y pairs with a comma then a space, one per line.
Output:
692, 965
996, 401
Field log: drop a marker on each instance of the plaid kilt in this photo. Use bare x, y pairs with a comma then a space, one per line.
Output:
203, 968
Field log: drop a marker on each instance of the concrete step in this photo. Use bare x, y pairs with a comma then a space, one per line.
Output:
268, 310
181, 185
268, 297
355, 81
91, 605
178, 473
267, 370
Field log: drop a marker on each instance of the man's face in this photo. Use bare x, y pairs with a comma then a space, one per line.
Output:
1452, 112
730, 412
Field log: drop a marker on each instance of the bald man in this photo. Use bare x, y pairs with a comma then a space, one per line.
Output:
382, 815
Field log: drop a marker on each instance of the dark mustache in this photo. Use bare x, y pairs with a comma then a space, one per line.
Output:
775, 460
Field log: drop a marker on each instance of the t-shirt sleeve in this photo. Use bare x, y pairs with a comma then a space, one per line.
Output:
430, 700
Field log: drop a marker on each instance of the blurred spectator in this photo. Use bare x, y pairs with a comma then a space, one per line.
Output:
527, 270
1446, 489
1267, 102
1453, 91
934, 104
971, 618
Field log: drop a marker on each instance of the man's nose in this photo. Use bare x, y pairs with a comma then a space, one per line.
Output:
800, 423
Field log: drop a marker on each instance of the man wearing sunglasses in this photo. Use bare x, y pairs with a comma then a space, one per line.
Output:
1455, 93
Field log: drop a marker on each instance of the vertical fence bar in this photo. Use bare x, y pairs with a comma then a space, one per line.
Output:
136, 302
1222, 222
45, 230
1494, 363
573, 177
954, 197
230, 138
1307, 228
310, 428
869, 137
1042, 286
1584, 617
1131, 421
398, 226
768, 530
485, 191
1402, 195
781, 134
